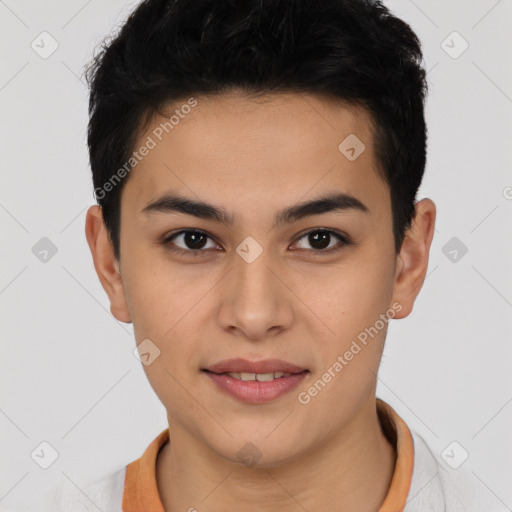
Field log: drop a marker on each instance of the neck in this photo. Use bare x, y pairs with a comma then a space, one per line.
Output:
352, 470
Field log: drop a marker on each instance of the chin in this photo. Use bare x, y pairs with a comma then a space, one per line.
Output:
261, 450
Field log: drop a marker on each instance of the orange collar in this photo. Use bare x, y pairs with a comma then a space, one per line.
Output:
141, 491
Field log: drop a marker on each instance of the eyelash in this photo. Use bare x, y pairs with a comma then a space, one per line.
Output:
199, 252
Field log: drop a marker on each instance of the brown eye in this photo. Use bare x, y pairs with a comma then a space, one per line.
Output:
188, 242
323, 241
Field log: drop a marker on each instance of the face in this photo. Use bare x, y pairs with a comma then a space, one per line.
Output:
260, 274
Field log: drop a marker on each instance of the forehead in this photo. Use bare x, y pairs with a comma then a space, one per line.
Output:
257, 150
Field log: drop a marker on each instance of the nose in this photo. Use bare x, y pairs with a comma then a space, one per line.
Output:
256, 302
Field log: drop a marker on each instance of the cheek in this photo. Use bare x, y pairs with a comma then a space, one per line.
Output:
161, 302
349, 305
152, 296
167, 305
351, 296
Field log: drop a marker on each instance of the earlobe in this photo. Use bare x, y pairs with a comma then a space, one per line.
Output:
412, 262
106, 265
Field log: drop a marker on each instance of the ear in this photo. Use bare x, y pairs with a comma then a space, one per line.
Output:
412, 261
105, 263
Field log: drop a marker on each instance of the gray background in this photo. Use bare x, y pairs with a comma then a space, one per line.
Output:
68, 374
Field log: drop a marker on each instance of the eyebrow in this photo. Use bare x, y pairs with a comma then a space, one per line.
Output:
174, 203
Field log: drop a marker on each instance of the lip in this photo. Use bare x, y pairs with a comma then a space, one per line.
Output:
239, 365
256, 392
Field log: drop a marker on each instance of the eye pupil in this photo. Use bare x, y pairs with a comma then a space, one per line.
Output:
193, 240
319, 239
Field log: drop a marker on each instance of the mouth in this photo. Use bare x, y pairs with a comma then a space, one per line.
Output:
255, 382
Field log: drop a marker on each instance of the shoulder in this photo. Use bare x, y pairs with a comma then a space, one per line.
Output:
104, 493
437, 487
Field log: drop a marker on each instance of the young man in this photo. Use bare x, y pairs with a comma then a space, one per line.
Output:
256, 166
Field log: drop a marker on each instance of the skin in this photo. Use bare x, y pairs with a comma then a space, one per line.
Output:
253, 158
